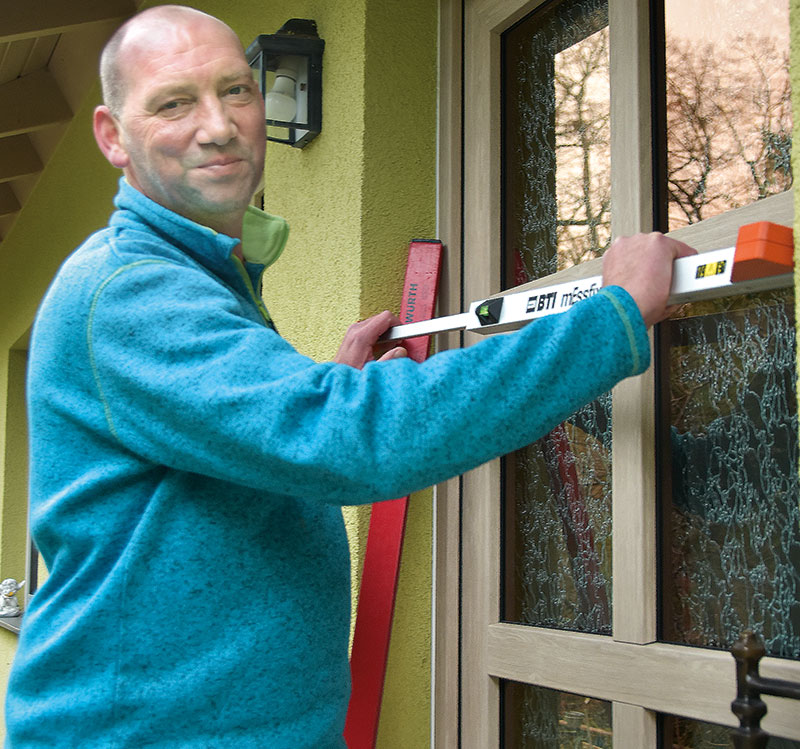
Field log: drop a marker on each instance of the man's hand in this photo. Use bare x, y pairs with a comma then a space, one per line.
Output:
359, 344
642, 265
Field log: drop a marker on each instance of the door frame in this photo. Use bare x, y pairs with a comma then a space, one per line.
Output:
473, 648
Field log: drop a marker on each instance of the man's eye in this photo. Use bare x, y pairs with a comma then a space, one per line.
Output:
170, 105
239, 90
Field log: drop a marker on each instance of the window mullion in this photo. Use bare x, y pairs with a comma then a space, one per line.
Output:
634, 510
631, 121
633, 436
634, 726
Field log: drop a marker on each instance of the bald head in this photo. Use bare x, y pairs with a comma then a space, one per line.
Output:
142, 29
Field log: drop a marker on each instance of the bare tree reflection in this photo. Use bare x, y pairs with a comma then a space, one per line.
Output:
729, 126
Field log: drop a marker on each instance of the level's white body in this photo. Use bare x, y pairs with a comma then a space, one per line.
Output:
695, 278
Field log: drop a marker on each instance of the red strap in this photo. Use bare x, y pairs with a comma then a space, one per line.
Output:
385, 540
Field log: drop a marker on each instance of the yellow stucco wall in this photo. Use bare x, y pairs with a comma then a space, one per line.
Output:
354, 198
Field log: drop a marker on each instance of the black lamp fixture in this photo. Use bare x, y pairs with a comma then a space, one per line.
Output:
288, 68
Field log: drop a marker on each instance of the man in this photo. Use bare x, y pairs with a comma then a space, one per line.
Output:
182, 452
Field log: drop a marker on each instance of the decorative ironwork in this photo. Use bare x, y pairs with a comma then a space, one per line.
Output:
748, 705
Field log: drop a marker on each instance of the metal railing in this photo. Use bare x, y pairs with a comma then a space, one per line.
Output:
748, 705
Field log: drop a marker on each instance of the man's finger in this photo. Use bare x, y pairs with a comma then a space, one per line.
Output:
357, 347
398, 352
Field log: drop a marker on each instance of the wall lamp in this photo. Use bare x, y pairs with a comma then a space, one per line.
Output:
288, 68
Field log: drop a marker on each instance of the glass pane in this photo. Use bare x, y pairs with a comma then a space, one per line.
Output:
558, 526
682, 733
557, 139
731, 515
556, 214
539, 718
729, 118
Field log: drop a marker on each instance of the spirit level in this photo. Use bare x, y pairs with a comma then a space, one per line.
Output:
760, 261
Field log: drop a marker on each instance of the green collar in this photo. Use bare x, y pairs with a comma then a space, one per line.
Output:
263, 236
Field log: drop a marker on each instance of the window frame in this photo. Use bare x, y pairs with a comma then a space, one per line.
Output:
15, 557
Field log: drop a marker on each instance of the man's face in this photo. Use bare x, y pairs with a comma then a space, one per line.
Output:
192, 122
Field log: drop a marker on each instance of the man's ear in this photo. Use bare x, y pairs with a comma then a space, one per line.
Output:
107, 134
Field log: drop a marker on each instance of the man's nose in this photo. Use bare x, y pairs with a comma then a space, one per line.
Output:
215, 123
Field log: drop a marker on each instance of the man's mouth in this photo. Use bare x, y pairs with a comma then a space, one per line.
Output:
221, 164
222, 161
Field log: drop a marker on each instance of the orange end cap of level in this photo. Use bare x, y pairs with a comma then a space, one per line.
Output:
762, 249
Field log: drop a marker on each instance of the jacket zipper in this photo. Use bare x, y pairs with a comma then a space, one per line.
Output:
255, 297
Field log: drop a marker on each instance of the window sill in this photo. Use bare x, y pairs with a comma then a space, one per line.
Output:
11, 623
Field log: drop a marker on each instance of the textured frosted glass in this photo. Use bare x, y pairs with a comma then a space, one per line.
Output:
556, 199
729, 116
732, 521
558, 526
539, 718
557, 139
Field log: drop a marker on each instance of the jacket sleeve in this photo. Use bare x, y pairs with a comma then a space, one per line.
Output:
187, 381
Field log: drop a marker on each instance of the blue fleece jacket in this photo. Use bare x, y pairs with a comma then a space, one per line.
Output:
188, 468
